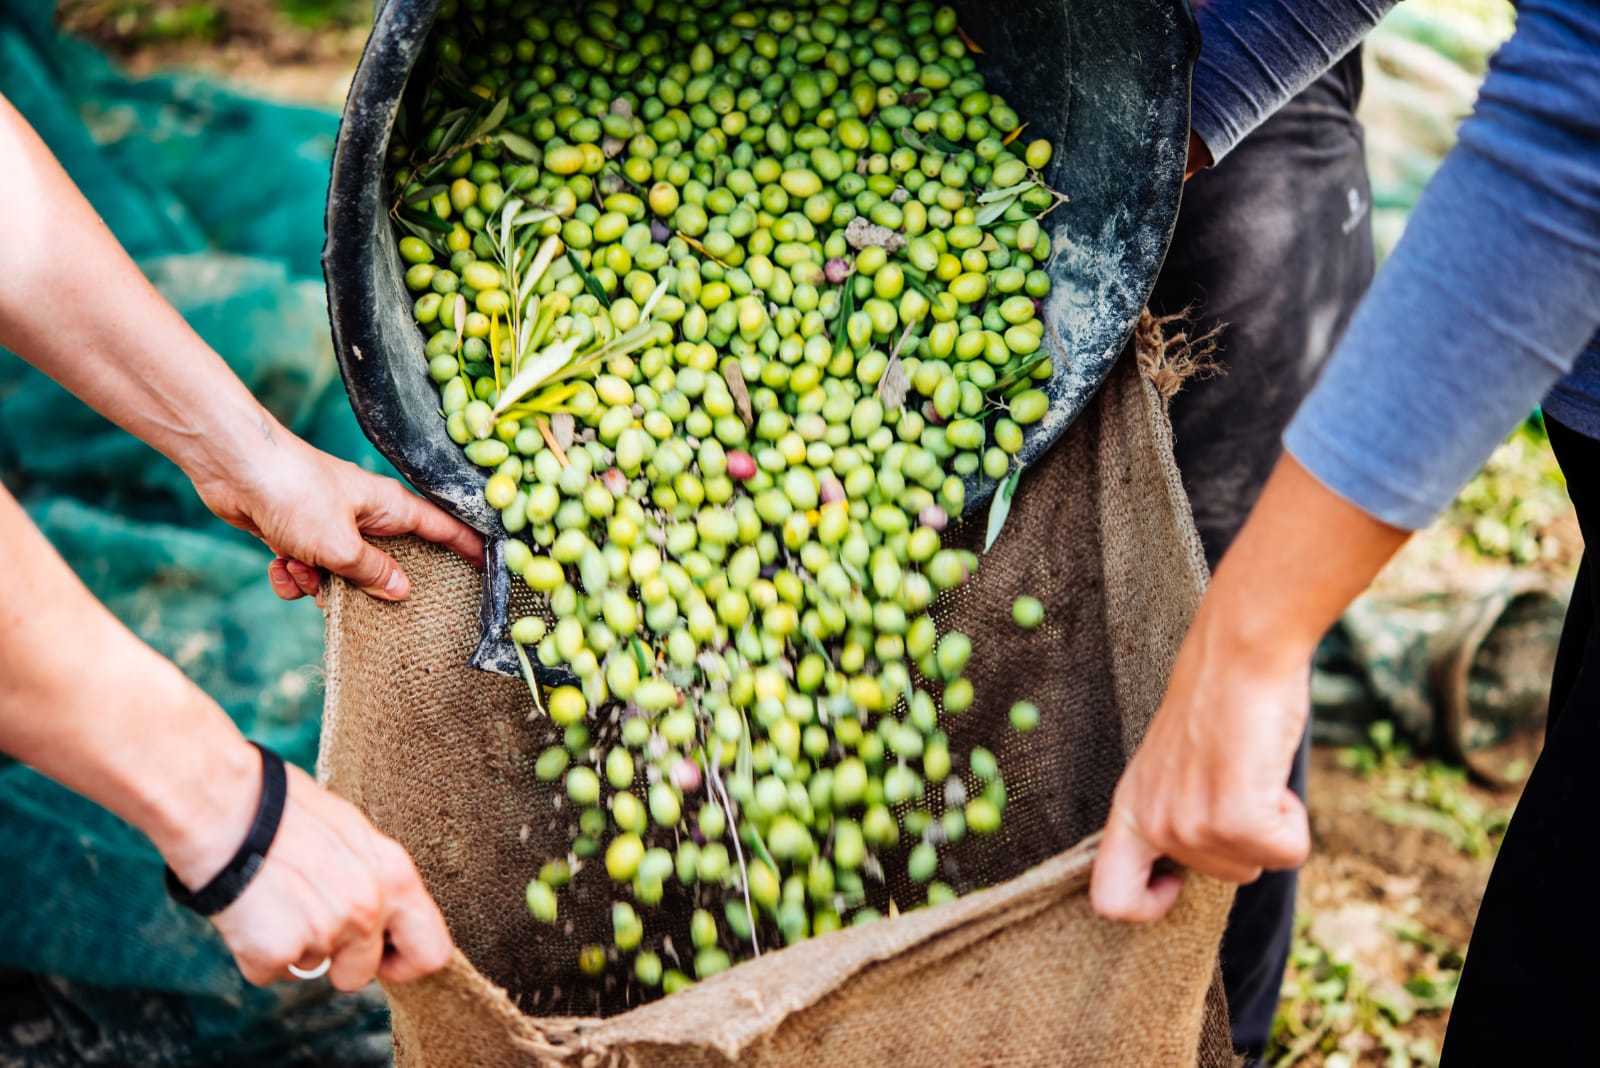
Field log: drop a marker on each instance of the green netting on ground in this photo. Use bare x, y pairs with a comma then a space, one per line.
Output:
220, 198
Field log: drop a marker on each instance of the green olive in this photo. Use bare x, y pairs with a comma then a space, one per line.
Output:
1027, 611
735, 518
541, 898
1024, 716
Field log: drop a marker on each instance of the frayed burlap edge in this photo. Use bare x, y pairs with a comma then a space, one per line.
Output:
1170, 355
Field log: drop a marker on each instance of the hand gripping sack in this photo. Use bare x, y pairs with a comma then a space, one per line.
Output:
1023, 973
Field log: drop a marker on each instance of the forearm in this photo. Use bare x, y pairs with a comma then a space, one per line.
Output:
1206, 786
88, 704
75, 306
1299, 560
1257, 54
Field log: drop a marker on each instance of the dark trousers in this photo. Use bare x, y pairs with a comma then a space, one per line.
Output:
1275, 245
1530, 983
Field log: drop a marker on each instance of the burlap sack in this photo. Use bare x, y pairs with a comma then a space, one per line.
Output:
440, 756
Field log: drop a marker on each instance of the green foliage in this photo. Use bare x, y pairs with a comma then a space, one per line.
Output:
1334, 1007
1425, 794
1505, 511
316, 14
128, 25
133, 23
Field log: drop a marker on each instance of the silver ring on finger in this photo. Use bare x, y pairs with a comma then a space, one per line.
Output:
312, 973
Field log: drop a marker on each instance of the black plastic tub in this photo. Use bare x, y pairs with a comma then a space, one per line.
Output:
1107, 84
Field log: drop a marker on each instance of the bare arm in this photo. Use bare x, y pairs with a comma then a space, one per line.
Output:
1207, 786
136, 736
75, 306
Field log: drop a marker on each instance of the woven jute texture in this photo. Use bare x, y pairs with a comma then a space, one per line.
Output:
1021, 973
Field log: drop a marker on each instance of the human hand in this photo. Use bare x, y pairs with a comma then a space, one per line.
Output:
1208, 785
314, 511
332, 887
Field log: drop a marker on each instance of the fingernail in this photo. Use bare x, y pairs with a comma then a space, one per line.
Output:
396, 586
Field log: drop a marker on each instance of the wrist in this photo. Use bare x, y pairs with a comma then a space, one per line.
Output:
198, 803
233, 443
1252, 624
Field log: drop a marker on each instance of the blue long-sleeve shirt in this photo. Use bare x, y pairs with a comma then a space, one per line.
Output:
1487, 303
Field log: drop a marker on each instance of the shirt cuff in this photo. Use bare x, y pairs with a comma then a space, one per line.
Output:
1340, 472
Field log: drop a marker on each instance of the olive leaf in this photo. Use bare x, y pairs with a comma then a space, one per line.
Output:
518, 145
847, 307
422, 233
919, 282
453, 134
524, 249
536, 372
492, 121
562, 428
425, 194
1009, 191
508, 212
552, 401
426, 219
1000, 507
994, 210
460, 320
524, 334
655, 298
540, 264
527, 674
744, 760
911, 140
590, 282
533, 215
734, 376
895, 383
1014, 374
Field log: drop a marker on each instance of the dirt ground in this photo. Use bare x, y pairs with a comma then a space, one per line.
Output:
1387, 903
252, 43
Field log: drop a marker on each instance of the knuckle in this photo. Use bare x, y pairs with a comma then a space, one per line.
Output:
397, 868
345, 551
1236, 829
1187, 829
272, 957
364, 910
1154, 826
434, 956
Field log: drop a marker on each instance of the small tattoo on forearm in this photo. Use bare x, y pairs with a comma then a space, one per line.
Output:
266, 432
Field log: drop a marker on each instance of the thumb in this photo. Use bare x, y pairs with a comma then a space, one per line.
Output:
374, 571
1121, 886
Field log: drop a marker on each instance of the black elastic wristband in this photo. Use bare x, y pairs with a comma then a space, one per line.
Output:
230, 882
